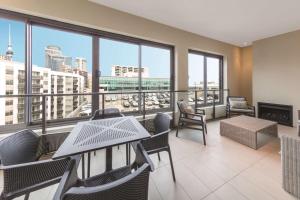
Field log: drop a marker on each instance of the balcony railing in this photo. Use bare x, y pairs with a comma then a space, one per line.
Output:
140, 103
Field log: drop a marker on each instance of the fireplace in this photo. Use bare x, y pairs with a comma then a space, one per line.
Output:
283, 114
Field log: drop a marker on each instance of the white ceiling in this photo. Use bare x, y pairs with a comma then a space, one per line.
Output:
238, 22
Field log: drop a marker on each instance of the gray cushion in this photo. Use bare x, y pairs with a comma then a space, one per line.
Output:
238, 104
242, 110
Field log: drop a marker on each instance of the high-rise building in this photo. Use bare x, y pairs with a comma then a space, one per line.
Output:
44, 80
9, 51
55, 60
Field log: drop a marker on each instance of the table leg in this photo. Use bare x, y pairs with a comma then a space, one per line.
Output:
83, 166
89, 165
109, 159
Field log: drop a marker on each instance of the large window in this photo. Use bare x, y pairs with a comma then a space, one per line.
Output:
205, 77
133, 67
12, 78
62, 64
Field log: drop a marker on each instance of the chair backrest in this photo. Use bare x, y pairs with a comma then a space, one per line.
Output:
235, 98
182, 106
161, 122
20, 147
107, 113
133, 186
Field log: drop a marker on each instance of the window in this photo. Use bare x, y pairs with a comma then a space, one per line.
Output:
12, 59
62, 64
156, 75
59, 60
132, 67
205, 77
119, 66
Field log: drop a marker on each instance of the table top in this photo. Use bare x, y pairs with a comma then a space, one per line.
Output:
98, 134
249, 123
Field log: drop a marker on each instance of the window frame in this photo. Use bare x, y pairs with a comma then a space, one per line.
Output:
221, 75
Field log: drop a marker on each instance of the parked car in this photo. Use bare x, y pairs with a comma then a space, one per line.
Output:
107, 98
126, 104
134, 104
114, 98
125, 97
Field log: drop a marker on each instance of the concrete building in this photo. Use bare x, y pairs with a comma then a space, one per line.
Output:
44, 80
55, 60
129, 71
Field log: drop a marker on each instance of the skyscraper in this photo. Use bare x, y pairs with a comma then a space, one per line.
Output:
9, 51
55, 60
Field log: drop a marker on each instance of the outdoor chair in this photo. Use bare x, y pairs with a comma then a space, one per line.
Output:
23, 165
159, 141
126, 183
188, 118
237, 105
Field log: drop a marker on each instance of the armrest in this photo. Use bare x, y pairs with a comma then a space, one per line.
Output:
31, 176
156, 141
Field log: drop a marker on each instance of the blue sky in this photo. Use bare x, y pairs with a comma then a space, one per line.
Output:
77, 45
111, 52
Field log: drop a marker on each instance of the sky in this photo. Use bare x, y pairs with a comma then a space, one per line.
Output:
111, 52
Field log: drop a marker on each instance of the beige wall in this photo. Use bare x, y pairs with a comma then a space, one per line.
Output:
276, 70
246, 73
84, 13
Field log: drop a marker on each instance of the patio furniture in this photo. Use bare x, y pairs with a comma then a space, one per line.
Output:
245, 129
24, 169
159, 140
104, 114
188, 119
290, 156
239, 105
125, 183
107, 113
101, 134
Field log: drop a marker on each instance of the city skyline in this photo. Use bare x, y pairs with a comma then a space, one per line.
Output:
111, 52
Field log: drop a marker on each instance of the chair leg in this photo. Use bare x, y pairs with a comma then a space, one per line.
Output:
177, 128
158, 156
205, 128
83, 166
94, 153
203, 132
89, 165
171, 163
26, 196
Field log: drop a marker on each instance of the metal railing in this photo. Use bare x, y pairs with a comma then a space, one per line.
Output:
216, 98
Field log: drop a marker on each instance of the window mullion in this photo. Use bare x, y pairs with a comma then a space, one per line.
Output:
205, 80
28, 70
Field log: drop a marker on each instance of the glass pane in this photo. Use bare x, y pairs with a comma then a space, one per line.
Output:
62, 64
119, 66
196, 78
213, 79
156, 76
12, 71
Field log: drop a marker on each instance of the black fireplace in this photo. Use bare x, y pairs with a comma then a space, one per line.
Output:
283, 114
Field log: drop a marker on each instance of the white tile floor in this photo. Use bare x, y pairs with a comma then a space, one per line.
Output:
223, 170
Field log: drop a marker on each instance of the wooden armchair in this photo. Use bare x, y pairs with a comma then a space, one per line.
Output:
189, 117
239, 105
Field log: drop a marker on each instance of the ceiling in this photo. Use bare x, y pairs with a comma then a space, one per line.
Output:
238, 22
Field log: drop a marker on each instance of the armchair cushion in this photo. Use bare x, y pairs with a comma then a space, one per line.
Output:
247, 110
238, 104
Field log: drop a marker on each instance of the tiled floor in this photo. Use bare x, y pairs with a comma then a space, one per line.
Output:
222, 170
